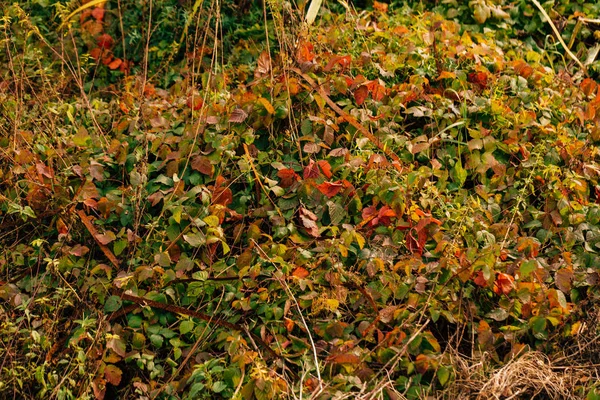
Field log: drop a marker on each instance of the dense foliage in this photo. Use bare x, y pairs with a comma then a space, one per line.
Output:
206, 200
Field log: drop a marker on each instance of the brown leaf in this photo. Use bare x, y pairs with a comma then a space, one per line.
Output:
113, 374
311, 148
105, 238
79, 250
263, 65
44, 170
564, 279
238, 115
202, 164
308, 218
97, 171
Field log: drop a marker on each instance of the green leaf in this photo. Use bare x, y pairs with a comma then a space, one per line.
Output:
195, 239
219, 386
119, 246
459, 174
336, 213
527, 267
443, 374
186, 326
113, 303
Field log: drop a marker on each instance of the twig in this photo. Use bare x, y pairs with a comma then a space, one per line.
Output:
557, 33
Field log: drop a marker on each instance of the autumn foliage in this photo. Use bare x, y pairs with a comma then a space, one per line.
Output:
232, 204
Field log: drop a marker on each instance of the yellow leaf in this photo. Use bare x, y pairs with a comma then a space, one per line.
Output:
266, 105
360, 240
332, 304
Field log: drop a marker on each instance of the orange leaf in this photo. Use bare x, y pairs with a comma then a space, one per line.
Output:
267, 105
96, 53
330, 189
478, 78
422, 363
343, 61
289, 324
381, 7
504, 283
588, 86
446, 75
300, 272
325, 168
116, 63
98, 13
305, 52
344, 359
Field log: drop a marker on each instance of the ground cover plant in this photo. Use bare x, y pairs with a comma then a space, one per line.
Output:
203, 199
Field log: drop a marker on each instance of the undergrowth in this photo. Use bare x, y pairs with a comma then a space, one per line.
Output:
217, 200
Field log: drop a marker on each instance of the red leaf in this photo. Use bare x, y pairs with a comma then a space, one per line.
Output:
478, 78
311, 170
330, 189
105, 41
480, 280
360, 94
